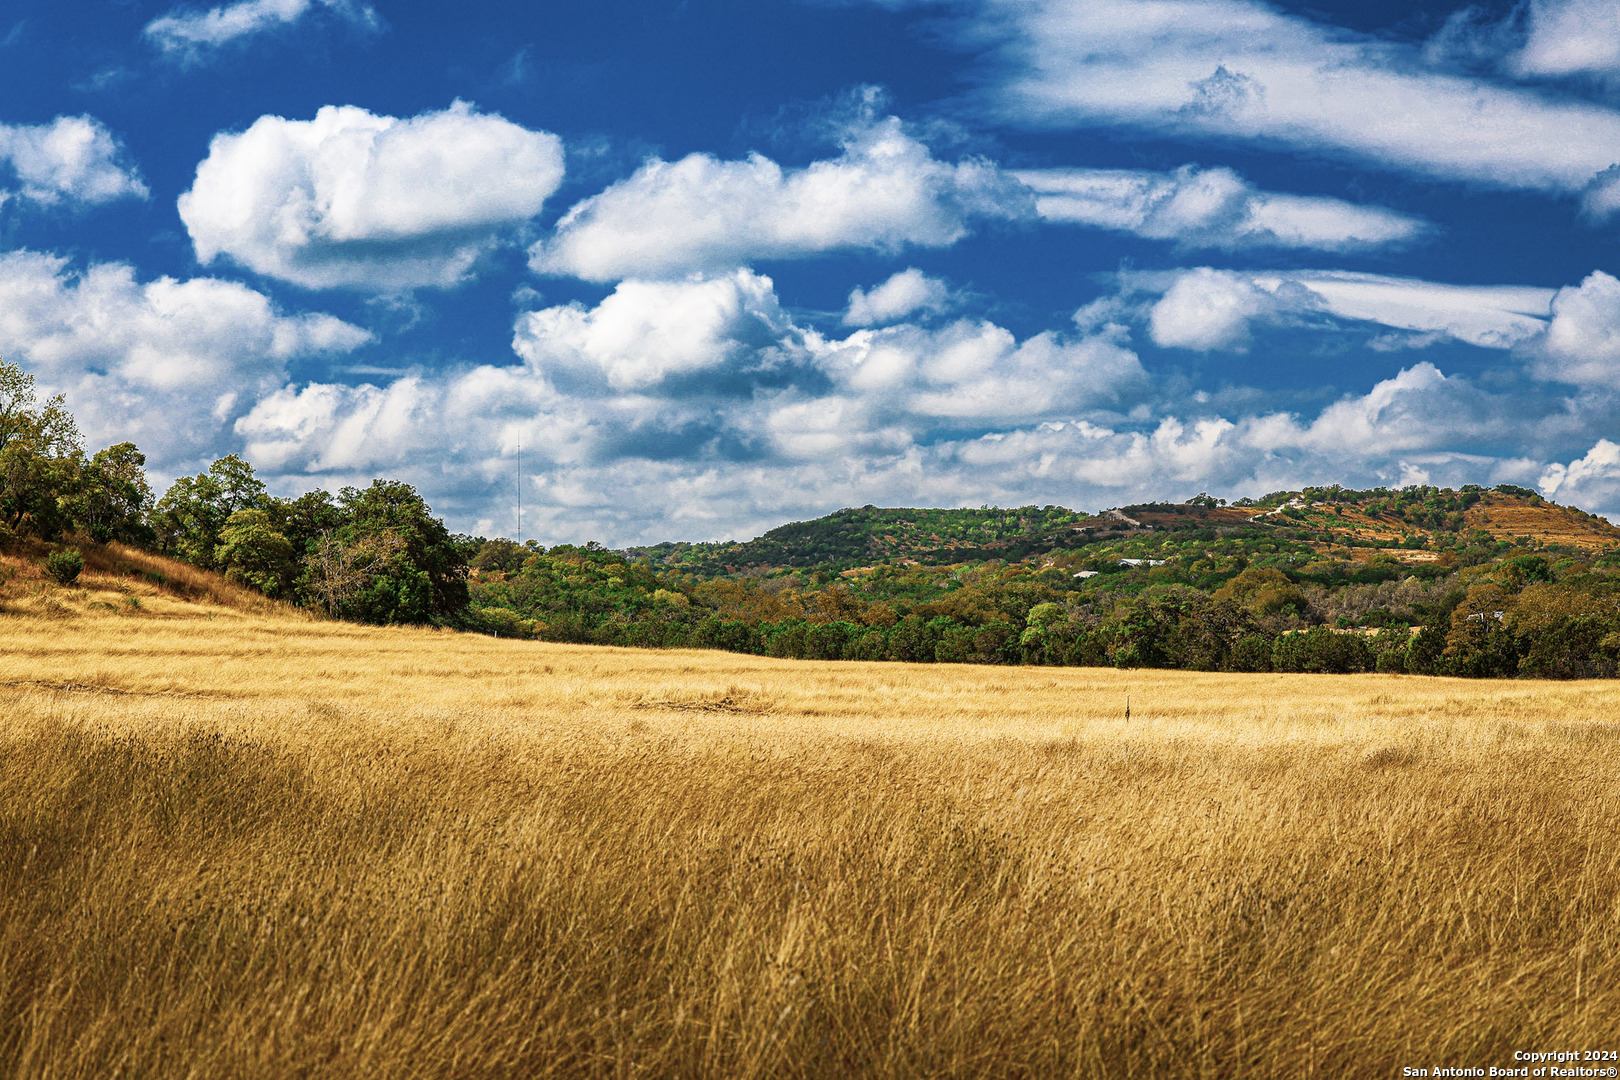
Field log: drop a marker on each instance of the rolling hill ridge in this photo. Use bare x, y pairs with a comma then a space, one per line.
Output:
1413, 525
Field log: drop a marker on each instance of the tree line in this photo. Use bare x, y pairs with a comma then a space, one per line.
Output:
1241, 605
375, 555
1239, 600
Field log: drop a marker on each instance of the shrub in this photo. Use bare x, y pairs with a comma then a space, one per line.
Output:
1391, 662
1322, 650
64, 566
872, 645
1424, 654
504, 622
1251, 653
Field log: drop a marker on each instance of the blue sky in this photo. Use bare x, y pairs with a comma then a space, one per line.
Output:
687, 270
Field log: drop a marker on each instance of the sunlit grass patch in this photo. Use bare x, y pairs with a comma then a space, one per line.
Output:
266, 847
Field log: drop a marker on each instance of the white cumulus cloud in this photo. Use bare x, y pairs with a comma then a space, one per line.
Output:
165, 363
1582, 344
650, 331
1417, 409
354, 200
334, 428
903, 294
972, 371
1591, 482
886, 191
1212, 208
1208, 309
188, 33
703, 382
73, 160
642, 466
699, 408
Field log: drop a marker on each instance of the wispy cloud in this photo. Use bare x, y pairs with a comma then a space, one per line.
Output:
1535, 40
190, 34
1242, 70
1214, 208
1209, 309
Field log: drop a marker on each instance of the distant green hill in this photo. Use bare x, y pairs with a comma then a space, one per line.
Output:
869, 534
1423, 580
1417, 523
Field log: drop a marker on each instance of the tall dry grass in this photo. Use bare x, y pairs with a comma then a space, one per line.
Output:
251, 847
121, 580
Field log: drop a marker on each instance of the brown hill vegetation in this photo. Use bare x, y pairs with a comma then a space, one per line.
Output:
1495, 516
1546, 523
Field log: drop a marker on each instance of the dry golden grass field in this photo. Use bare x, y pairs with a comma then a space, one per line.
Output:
238, 845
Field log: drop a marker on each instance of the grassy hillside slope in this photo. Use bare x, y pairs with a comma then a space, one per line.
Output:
1341, 522
264, 847
124, 581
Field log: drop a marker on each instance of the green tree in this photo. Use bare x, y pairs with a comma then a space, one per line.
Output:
501, 554
1151, 627
49, 426
306, 519
338, 575
40, 457
113, 497
1322, 650
239, 488
1251, 652
253, 552
390, 506
1425, 655
1264, 591
189, 518
912, 639
387, 560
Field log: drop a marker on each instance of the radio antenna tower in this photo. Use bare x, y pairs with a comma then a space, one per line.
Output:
520, 491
